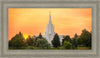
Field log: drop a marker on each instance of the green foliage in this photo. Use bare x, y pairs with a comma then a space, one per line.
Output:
79, 41
56, 41
30, 41
73, 47
17, 41
40, 36
74, 42
37, 38
67, 45
42, 43
66, 38
86, 38
30, 47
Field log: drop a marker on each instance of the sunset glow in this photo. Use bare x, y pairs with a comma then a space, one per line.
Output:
32, 21
25, 36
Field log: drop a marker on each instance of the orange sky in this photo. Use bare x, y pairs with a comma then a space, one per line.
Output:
32, 21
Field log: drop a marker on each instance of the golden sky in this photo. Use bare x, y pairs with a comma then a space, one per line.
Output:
32, 21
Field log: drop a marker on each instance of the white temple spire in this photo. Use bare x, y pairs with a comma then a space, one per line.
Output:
49, 34
50, 22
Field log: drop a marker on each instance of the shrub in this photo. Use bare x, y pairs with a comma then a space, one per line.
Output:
42, 43
67, 45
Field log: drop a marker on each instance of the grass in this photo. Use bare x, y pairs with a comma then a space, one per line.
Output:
52, 48
83, 48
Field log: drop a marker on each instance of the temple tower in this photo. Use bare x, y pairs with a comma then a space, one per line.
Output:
49, 34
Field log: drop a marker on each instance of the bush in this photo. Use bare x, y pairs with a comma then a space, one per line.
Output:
67, 45
73, 47
42, 43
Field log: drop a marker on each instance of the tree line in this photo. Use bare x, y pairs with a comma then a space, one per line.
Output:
19, 42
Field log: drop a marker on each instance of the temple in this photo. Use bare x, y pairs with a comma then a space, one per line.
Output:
49, 34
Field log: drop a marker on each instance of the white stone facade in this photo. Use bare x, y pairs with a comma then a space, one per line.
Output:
49, 34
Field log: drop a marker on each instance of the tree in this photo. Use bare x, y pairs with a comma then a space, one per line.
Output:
75, 36
56, 41
17, 41
30, 41
86, 38
40, 36
79, 41
67, 45
74, 41
42, 43
36, 38
67, 38
90, 40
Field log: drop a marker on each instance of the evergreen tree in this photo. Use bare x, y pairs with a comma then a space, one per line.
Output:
75, 36
56, 41
40, 36
74, 41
